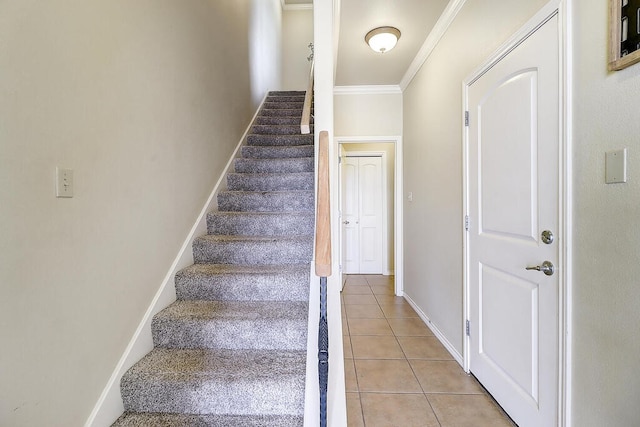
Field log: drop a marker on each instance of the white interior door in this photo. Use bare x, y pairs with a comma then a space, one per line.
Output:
362, 215
513, 190
341, 190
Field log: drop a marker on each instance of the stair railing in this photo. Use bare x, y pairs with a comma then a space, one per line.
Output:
323, 267
305, 121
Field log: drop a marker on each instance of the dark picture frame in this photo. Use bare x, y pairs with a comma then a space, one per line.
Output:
624, 33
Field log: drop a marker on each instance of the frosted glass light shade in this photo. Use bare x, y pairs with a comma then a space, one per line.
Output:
382, 39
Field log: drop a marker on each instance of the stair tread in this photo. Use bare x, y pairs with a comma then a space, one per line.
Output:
240, 238
196, 365
146, 419
263, 214
273, 174
211, 269
241, 310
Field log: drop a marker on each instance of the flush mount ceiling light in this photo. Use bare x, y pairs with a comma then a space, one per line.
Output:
382, 39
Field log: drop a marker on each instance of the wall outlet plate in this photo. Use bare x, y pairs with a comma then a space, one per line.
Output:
616, 166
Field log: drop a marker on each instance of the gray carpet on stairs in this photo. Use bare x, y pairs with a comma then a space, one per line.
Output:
231, 351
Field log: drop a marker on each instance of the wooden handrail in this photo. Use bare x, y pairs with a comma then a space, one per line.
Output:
305, 121
323, 210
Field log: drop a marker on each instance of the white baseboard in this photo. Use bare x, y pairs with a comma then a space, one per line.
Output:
445, 342
109, 406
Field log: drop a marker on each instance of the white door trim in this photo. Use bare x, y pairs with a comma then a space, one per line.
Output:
398, 190
563, 9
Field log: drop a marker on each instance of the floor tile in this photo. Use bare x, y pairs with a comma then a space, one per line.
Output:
424, 348
346, 344
395, 410
390, 299
390, 376
369, 327
444, 376
356, 290
359, 299
356, 280
382, 290
467, 410
354, 410
350, 380
409, 327
363, 311
345, 323
377, 279
376, 347
398, 311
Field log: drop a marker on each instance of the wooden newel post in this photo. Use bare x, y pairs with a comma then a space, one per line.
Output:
323, 217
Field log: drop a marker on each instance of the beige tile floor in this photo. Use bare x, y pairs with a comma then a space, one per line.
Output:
397, 372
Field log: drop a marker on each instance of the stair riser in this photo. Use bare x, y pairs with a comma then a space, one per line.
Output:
270, 182
285, 286
284, 105
260, 225
292, 152
278, 93
274, 165
277, 129
131, 419
232, 334
279, 121
271, 252
257, 396
281, 112
291, 98
271, 140
231, 201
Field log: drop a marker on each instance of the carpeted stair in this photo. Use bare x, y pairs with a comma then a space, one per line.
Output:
231, 351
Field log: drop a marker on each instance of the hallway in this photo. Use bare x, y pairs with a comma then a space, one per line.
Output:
397, 372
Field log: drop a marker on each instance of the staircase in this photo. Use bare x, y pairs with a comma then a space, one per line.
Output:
231, 351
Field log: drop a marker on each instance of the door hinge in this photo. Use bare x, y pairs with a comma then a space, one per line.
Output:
339, 159
467, 328
466, 222
466, 118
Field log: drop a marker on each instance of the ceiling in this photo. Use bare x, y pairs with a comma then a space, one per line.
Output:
357, 63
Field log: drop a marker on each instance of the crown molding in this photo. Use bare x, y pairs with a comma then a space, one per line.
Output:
295, 6
441, 26
367, 90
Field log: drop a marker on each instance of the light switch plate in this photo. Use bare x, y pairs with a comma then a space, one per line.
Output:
64, 182
616, 166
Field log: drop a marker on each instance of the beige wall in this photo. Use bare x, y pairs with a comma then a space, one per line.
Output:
389, 149
433, 158
297, 33
145, 101
368, 114
606, 291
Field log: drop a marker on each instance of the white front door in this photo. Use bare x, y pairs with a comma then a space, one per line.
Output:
513, 190
362, 215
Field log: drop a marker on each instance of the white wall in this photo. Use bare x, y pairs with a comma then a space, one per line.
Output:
432, 111
297, 33
606, 292
368, 114
389, 149
145, 101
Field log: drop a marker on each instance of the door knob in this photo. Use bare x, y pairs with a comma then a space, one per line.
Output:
345, 222
546, 267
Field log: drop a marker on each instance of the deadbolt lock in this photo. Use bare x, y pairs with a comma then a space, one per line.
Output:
547, 237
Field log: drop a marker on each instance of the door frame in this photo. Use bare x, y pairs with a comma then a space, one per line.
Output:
563, 9
398, 259
385, 200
